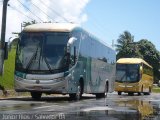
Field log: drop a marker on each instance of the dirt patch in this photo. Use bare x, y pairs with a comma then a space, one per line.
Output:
12, 93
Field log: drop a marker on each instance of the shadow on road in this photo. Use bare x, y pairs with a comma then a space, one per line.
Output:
49, 99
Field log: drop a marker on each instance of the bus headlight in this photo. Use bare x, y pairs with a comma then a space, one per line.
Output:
58, 79
18, 78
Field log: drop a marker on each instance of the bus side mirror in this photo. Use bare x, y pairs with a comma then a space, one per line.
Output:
75, 55
141, 72
70, 43
141, 69
72, 50
6, 51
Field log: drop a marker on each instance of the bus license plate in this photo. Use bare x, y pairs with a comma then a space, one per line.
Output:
37, 88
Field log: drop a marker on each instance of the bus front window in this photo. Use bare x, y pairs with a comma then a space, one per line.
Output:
54, 50
41, 52
127, 73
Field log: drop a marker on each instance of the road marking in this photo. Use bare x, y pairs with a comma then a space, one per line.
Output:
154, 100
46, 106
97, 108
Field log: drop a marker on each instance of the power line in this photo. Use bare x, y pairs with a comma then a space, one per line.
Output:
29, 10
54, 11
42, 11
19, 11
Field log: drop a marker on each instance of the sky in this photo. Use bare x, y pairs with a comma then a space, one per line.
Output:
106, 19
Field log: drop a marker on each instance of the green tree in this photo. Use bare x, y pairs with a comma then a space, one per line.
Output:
125, 47
150, 55
144, 49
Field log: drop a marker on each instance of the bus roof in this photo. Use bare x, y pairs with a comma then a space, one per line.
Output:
58, 27
132, 61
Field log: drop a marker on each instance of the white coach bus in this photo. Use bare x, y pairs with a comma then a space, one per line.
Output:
62, 58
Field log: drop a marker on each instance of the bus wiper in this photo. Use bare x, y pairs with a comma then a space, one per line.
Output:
48, 65
30, 61
123, 76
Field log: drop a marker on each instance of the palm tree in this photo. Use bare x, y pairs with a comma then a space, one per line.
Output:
124, 40
125, 48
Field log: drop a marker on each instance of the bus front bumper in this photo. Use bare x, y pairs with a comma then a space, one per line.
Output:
45, 86
132, 87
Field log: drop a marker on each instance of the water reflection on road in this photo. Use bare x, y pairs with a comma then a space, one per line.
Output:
133, 109
113, 107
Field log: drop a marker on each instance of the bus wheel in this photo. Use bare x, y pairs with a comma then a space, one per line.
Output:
36, 95
100, 95
78, 94
139, 93
147, 93
130, 93
103, 95
106, 89
119, 93
150, 90
72, 96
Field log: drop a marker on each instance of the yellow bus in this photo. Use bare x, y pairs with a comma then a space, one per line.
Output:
133, 75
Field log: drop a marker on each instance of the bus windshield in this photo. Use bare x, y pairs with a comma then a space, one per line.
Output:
127, 73
42, 52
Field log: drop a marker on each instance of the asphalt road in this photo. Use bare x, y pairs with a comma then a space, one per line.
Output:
113, 107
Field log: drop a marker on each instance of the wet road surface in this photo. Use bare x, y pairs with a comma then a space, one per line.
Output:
113, 107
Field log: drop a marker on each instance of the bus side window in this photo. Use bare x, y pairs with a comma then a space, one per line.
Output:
72, 56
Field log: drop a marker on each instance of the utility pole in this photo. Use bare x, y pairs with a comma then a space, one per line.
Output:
3, 33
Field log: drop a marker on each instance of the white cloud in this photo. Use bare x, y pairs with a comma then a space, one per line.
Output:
58, 10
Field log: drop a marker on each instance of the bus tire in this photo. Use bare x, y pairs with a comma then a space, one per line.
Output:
130, 93
78, 94
106, 89
149, 91
36, 95
139, 93
119, 93
142, 89
103, 95
100, 95
146, 93
72, 96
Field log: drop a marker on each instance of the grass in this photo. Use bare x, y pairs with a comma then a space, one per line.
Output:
7, 80
156, 90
